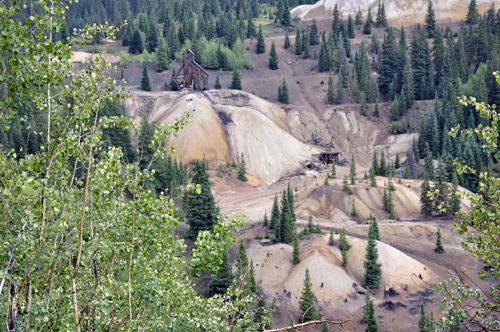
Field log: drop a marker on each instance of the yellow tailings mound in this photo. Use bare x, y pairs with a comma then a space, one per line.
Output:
258, 129
332, 283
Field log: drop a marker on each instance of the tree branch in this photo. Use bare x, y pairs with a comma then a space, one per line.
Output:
312, 322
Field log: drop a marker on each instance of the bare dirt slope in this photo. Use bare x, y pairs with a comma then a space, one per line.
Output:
399, 12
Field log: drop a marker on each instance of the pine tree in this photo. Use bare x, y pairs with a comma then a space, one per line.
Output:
350, 27
375, 163
472, 14
455, 202
242, 171
333, 173
200, 209
407, 171
313, 34
286, 18
224, 277
260, 313
439, 243
425, 201
331, 239
373, 179
284, 93
236, 80
340, 91
287, 40
369, 314
291, 323
383, 167
163, 57
217, 82
306, 302
376, 112
296, 250
354, 212
374, 231
275, 214
363, 106
273, 58
298, 43
359, 17
352, 173
430, 20
242, 266
261, 44
326, 183
373, 272
367, 28
136, 46
344, 246
306, 43
145, 84
330, 97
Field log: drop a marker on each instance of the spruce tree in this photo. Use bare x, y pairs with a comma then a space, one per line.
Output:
326, 183
344, 246
363, 106
261, 44
339, 99
145, 84
330, 97
426, 206
333, 173
275, 214
350, 27
243, 270
224, 277
373, 179
441, 186
200, 209
373, 271
273, 58
369, 314
324, 327
313, 34
407, 171
298, 43
331, 239
286, 18
439, 243
454, 199
217, 82
136, 46
306, 302
374, 231
367, 28
242, 171
287, 41
430, 20
472, 14
162, 56
296, 250
173, 84
383, 167
354, 212
284, 93
375, 163
376, 112
352, 173
359, 17
291, 322
236, 80
260, 313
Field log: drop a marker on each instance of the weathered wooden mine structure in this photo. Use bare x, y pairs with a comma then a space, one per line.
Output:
191, 75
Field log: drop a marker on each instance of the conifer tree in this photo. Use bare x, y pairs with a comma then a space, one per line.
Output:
296, 250
354, 212
265, 223
324, 327
374, 231
359, 17
352, 173
363, 106
383, 167
441, 186
287, 40
291, 323
145, 84
340, 91
136, 46
306, 44
346, 186
407, 171
373, 271
454, 199
369, 314
439, 243
350, 27
261, 44
224, 277
373, 179
313, 34
275, 214
426, 206
472, 13
298, 43
217, 82
273, 58
375, 163
430, 20
330, 97
326, 183
376, 112
173, 84
306, 302
333, 173
331, 239
344, 246
284, 93
286, 18
242, 264
367, 28
242, 170
200, 209
162, 56
260, 313
236, 80
369, 16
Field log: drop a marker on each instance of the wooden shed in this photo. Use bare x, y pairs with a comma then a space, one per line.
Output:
191, 75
